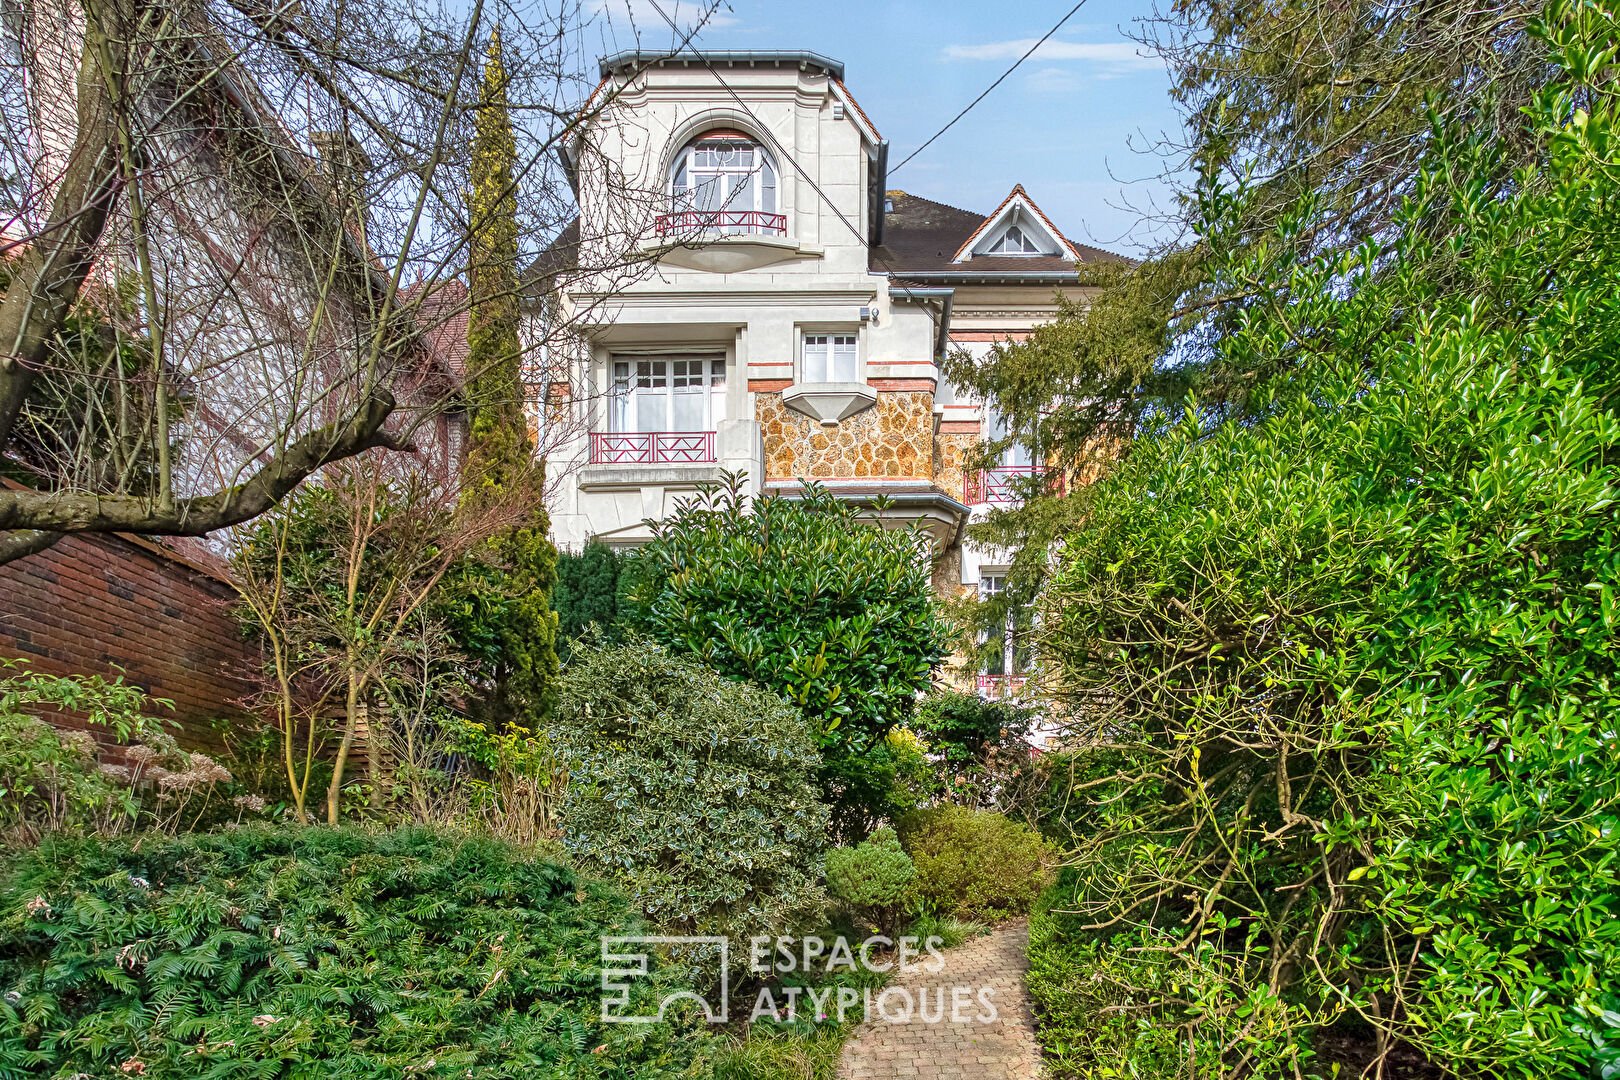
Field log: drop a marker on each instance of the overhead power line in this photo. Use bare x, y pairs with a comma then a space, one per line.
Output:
989, 88
781, 150
765, 131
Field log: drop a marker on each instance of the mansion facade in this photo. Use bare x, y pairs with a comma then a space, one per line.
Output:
796, 313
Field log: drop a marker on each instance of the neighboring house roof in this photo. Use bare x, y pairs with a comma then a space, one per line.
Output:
920, 236
443, 318
558, 257
1017, 202
926, 236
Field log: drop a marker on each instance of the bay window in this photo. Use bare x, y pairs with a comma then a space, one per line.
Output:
667, 393
723, 182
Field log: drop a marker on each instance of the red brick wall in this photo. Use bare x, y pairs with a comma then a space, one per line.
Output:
92, 602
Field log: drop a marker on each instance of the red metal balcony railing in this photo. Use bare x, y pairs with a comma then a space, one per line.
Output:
652, 447
721, 221
1002, 686
1007, 483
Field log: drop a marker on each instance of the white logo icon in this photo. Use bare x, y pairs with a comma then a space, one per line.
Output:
621, 961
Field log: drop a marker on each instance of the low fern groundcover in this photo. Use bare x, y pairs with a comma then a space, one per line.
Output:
278, 952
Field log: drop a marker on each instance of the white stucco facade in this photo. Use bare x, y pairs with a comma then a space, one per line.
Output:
813, 305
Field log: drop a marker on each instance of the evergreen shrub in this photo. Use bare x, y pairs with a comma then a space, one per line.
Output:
696, 791
810, 598
1350, 665
876, 878
974, 863
312, 953
587, 594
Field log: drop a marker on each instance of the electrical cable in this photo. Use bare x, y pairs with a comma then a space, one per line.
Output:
989, 88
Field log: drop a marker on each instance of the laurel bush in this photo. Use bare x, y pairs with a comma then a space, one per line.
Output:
810, 598
313, 953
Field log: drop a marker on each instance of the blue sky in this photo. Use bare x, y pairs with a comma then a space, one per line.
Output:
1070, 124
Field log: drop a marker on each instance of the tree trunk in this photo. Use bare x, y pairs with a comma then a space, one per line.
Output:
351, 717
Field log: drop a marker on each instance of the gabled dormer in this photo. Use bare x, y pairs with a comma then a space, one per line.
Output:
1017, 229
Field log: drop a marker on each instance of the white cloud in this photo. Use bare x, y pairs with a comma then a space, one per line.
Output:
647, 19
1113, 54
1052, 80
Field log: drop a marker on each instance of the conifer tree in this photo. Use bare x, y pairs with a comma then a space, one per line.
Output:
500, 459
1304, 125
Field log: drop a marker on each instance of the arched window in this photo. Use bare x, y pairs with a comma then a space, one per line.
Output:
722, 182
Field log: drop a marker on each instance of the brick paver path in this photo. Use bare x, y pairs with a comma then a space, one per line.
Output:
962, 1047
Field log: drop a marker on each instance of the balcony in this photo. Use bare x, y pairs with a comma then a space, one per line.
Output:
1002, 686
653, 448
1007, 483
722, 222
723, 241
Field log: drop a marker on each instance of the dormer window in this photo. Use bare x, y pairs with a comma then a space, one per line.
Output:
1017, 230
1014, 241
722, 183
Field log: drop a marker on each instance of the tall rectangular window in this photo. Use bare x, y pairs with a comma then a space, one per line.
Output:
1015, 655
1015, 456
667, 393
829, 358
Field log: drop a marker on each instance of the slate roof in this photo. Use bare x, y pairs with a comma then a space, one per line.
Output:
918, 235
559, 256
633, 60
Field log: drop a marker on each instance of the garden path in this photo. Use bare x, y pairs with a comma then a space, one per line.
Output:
967, 1049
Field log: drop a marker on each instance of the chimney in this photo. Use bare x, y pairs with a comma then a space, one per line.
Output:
345, 164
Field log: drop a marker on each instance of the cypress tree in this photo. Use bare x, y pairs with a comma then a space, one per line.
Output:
501, 463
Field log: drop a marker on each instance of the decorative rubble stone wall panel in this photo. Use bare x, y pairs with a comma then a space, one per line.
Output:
951, 453
947, 575
894, 438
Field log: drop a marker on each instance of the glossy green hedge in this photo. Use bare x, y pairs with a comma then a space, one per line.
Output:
809, 598
312, 953
1347, 672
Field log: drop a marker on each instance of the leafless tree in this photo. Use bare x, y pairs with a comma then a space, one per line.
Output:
237, 232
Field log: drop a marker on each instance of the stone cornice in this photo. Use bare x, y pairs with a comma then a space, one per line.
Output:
787, 296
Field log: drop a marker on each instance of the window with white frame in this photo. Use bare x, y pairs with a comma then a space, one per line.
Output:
724, 178
1015, 241
1015, 656
667, 393
829, 358
1016, 455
